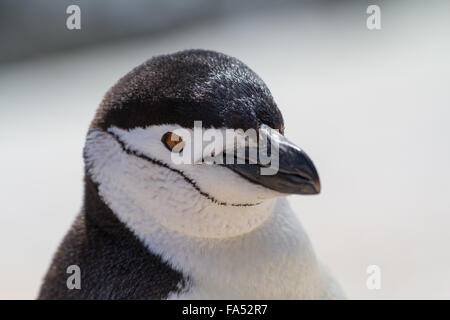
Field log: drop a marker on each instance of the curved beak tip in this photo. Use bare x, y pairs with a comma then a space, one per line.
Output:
317, 186
295, 174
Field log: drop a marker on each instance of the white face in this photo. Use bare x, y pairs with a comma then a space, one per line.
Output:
139, 181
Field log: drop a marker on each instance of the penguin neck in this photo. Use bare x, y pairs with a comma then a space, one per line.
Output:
246, 260
190, 216
275, 259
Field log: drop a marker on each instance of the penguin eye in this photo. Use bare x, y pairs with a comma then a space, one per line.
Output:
173, 142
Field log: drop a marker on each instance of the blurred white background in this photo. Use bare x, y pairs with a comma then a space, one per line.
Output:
372, 109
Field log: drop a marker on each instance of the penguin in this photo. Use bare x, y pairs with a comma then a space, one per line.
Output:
152, 229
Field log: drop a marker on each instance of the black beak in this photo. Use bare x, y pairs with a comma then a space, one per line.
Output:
296, 172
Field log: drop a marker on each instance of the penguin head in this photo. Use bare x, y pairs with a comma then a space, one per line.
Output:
149, 114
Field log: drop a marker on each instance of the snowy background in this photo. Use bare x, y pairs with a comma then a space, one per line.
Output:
372, 109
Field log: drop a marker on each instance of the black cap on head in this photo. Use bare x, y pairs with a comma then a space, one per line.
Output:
188, 86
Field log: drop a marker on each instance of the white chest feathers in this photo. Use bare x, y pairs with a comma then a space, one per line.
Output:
275, 261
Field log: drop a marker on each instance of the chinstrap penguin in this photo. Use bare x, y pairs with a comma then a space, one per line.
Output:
150, 229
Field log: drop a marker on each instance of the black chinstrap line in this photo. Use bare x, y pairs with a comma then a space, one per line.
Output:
187, 179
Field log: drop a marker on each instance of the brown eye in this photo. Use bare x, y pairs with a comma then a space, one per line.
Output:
173, 142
